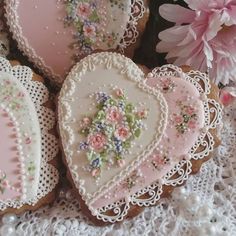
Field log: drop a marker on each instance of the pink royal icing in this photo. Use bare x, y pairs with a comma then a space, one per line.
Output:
10, 172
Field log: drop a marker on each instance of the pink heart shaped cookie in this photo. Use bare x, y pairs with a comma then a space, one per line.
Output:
126, 135
54, 34
24, 151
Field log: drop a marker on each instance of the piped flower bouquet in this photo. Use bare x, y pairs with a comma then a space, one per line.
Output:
111, 132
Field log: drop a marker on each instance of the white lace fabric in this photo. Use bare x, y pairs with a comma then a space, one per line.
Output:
213, 188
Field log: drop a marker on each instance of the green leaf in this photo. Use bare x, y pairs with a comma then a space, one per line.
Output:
94, 17
137, 133
126, 144
112, 102
100, 115
129, 108
130, 118
118, 157
84, 131
99, 106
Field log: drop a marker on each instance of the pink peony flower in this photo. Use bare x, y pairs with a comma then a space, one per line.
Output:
192, 124
89, 31
204, 37
83, 10
178, 119
113, 114
122, 133
227, 95
97, 141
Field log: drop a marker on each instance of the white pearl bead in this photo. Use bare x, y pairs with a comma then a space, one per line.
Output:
193, 199
9, 218
210, 230
7, 230
204, 212
179, 193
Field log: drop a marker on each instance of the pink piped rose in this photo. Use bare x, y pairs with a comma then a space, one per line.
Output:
178, 119
89, 31
28, 140
189, 110
122, 133
142, 114
97, 141
192, 124
5, 183
121, 162
113, 115
83, 10
119, 92
95, 172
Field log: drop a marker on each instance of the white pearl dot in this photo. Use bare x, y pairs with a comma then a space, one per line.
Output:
7, 230
9, 218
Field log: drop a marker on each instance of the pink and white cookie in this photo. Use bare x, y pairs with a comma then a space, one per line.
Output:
129, 138
28, 145
55, 34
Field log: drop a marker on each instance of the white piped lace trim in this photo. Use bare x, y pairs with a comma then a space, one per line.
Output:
130, 36
131, 33
180, 173
49, 176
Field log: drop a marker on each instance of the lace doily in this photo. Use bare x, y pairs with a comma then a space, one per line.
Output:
39, 94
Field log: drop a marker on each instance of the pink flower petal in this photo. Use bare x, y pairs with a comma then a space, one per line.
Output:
197, 4
181, 15
174, 34
214, 26
163, 47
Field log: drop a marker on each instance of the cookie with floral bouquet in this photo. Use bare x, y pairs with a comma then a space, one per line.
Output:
64, 31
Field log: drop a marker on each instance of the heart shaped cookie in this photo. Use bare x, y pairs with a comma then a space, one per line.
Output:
63, 31
126, 135
24, 149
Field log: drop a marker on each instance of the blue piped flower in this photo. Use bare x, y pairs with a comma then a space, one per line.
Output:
83, 146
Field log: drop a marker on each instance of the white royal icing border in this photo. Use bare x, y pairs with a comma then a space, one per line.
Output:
49, 176
23, 44
180, 173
